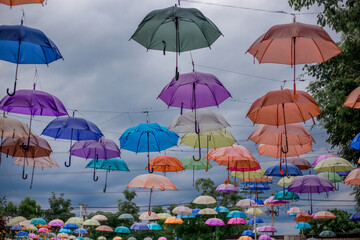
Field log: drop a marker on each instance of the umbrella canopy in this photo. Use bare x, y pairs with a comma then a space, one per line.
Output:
333, 177
271, 201
221, 209
38, 221
76, 220
302, 225
280, 170
117, 238
162, 238
20, 2
182, 210
56, 223
81, 231
147, 216
29, 227
166, 164
254, 211
64, 230
285, 181
101, 149
322, 157
355, 217
184, 216
303, 217
43, 230
126, 216
163, 216
63, 235
354, 177
264, 237
122, 229
286, 195
214, 222
227, 188
301, 163
236, 214
245, 237
246, 203
154, 226
11, 127
236, 221
249, 174
104, 228
190, 164
295, 210
204, 200
91, 222
255, 186
70, 226
99, 217
252, 221
211, 139
355, 143
16, 220
352, 99
101, 238
173, 220
327, 233
324, 215
248, 233
267, 228
333, 164
207, 211
277, 151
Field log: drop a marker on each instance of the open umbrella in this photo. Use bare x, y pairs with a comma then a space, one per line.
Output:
72, 128
214, 222
272, 202
303, 217
252, 221
302, 225
277, 151
21, 2
324, 215
207, 211
286, 195
76, 220
91, 222
122, 229
163, 216
148, 137
236, 214
204, 200
139, 226
280, 170
16, 221
99, 217
322, 157
173, 220
152, 181
352, 100
56, 223
149, 217
189, 164
310, 184
182, 210
248, 233
165, 164
221, 209
154, 226
333, 177
227, 188
355, 217
176, 30
353, 178
236, 221
301, 163
295, 210
267, 228
327, 234
245, 237
112, 164
24, 45
333, 164
126, 216
104, 228
285, 181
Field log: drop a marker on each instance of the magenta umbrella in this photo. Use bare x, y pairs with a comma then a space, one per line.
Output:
322, 157
236, 221
310, 184
267, 228
214, 222
227, 188
56, 223
264, 237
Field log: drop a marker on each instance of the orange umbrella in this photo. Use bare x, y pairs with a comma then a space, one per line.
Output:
303, 217
173, 220
43, 226
324, 215
20, 2
275, 135
152, 181
104, 228
166, 164
292, 151
245, 238
354, 177
353, 100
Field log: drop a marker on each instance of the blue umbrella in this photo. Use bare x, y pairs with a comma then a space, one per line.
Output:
82, 231
292, 215
24, 45
236, 214
355, 217
21, 234
221, 209
355, 143
154, 226
16, 228
185, 216
255, 187
37, 221
139, 226
258, 201
72, 128
248, 233
148, 137
343, 174
64, 230
70, 226
280, 170
258, 220
112, 164
122, 229
195, 211
302, 225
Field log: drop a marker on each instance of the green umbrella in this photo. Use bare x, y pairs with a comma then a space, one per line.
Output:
333, 177
190, 164
131, 238
177, 30
327, 233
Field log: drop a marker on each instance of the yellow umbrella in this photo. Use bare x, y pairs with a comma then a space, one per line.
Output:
16, 221
72, 237
211, 139
164, 215
333, 164
91, 222
29, 227
249, 174
207, 211
101, 238
204, 200
254, 211
75, 220
285, 181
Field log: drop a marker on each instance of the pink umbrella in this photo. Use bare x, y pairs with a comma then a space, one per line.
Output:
56, 223
227, 188
215, 222
322, 157
43, 230
236, 221
267, 228
104, 228
264, 237
33, 236
162, 238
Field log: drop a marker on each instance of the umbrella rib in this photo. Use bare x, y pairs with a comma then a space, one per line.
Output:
217, 104
317, 47
201, 32
152, 37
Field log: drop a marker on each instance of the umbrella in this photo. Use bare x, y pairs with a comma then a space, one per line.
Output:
91, 222
104, 228
24, 45
227, 188
154, 226
277, 151
29, 227
132, 238
16, 228
254, 211
285, 181
245, 237
248, 233
310, 184
16, 220
333, 164
21, 2
99, 217
189, 164
221, 209
354, 177
355, 143
236, 214
280, 170
322, 157
149, 216
355, 217
122, 229
64, 230
204, 200
148, 137
32, 102
214, 222
295, 210
252, 221
352, 99
182, 210
271, 201
294, 43
301, 163
246, 203
324, 215
166, 215
72, 128
327, 233
126, 216
101, 238
21, 234
56, 223
43, 230
264, 237
255, 187
117, 238
286, 195
302, 225
162, 238
152, 181
81, 231
173, 220
63, 235
332, 177
249, 174
113, 164
70, 226
183, 216
176, 30
263, 180
76, 220
33, 236
236, 221
267, 228
207, 211
303, 217
165, 164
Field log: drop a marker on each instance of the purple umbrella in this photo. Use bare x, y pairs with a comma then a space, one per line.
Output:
139, 226
227, 188
322, 157
264, 237
193, 91
215, 222
56, 223
33, 102
310, 184
98, 149
267, 228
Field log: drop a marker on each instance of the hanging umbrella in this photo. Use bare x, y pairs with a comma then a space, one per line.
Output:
21, 234
221, 209
355, 217
131, 238
214, 222
322, 157
263, 179
204, 200
246, 203
16, 228
353, 178
72, 128
149, 217
227, 188
280, 170
254, 211
154, 226
183, 216
255, 187
176, 30
267, 228
152, 181
101, 238
236, 221
126, 216
245, 237
355, 143
352, 100
173, 220
148, 137
236, 214
76, 220
99, 217
207, 211
294, 43
189, 164
324, 215
248, 233
70, 226
264, 237
33, 236
122, 229
117, 238
36, 147
29, 227
91, 222
331, 176
20, 2
16, 221
310, 184
285, 181
303, 217
295, 210
286, 195
302, 225
272, 202
249, 174
104, 228
162, 238
301, 163
112, 164
277, 151
182, 210
163, 216
81, 231
24, 45
327, 234
64, 230
334, 164
252, 221
166, 164
56, 223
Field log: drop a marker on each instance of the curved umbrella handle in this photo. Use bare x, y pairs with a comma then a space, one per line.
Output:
24, 176
68, 164
95, 178
150, 169
197, 129
197, 159
26, 146
13, 93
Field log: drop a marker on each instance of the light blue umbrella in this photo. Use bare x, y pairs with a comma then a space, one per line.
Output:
37, 221
64, 230
286, 195
148, 137
236, 214
122, 229
154, 226
185, 216
221, 209
302, 225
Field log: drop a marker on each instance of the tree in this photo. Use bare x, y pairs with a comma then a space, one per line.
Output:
128, 206
29, 209
158, 209
59, 208
7, 209
337, 77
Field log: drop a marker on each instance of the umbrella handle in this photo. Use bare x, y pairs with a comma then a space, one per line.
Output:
7, 90
95, 178
24, 176
68, 164
197, 159
26, 146
150, 169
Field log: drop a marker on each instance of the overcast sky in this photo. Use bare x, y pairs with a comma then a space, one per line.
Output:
110, 81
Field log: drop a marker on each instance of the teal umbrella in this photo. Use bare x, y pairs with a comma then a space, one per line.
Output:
176, 30
122, 229
113, 164
286, 195
154, 226
38, 221
126, 216
327, 233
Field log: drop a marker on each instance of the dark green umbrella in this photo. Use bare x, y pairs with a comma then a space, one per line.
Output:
327, 233
177, 30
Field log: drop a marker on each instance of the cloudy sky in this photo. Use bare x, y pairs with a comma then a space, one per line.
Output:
111, 81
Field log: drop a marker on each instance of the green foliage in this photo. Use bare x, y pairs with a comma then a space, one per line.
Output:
128, 206
29, 209
7, 209
158, 209
59, 208
341, 224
